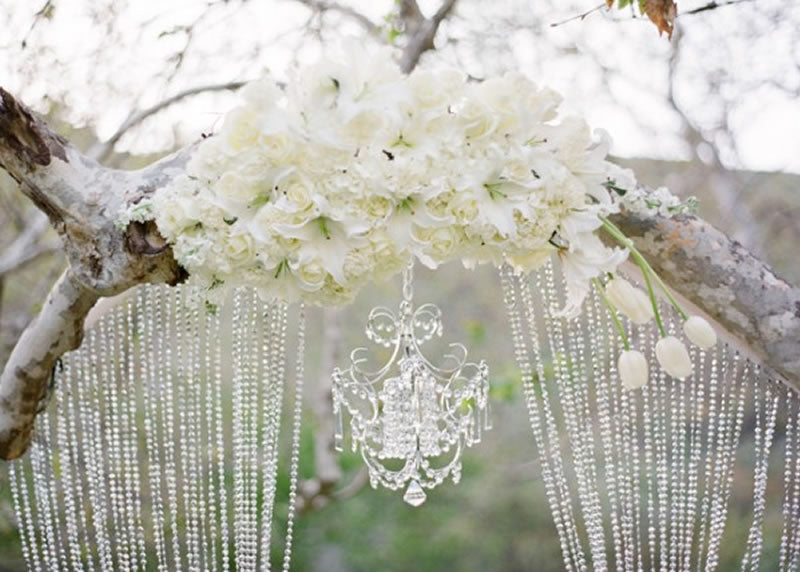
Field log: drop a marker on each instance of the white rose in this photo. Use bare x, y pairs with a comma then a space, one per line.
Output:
239, 249
240, 129
310, 275
478, 119
231, 186
465, 210
442, 242
435, 88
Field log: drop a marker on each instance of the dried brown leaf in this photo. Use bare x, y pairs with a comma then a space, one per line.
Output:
662, 13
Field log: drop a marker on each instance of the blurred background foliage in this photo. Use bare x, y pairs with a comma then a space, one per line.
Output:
679, 115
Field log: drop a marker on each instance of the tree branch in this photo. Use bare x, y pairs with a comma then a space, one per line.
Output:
421, 31
727, 282
27, 247
318, 6
102, 151
712, 6
82, 201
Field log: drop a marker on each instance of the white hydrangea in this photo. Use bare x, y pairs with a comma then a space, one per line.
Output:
354, 168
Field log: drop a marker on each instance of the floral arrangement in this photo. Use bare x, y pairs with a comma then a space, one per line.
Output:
350, 171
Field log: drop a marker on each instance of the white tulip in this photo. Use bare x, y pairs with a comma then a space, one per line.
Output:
673, 357
629, 300
632, 367
699, 332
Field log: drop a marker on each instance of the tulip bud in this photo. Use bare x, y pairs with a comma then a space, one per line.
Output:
632, 367
699, 332
629, 300
673, 357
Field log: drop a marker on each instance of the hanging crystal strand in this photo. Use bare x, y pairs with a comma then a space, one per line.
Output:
98, 448
648, 415
620, 420
42, 518
535, 407
252, 427
569, 386
294, 464
148, 314
129, 401
18, 484
266, 415
788, 480
277, 371
763, 445
171, 360
68, 463
794, 545
661, 501
737, 375
676, 467
214, 480
238, 336
710, 429
549, 404
218, 430
522, 355
600, 358
51, 447
696, 407
630, 452
137, 472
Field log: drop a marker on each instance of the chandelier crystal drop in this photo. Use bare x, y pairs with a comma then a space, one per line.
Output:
411, 419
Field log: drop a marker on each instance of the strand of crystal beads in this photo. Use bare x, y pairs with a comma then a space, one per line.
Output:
65, 427
169, 381
46, 490
110, 411
215, 484
269, 406
621, 435
277, 374
756, 536
252, 391
294, 464
551, 428
522, 356
222, 490
696, 406
789, 452
182, 458
16, 478
648, 415
98, 454
551, 447
192, 382
243, 517
126, 395
793, 506
600, 357
239, 335
568, 390
42, 505
148, 315
739, 374
711, 464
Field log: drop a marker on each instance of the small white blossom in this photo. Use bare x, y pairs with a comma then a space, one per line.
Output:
700, 332
673, 357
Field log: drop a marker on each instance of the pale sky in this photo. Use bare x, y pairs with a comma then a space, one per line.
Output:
747, 49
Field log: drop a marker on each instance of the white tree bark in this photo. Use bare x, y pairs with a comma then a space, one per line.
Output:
83, 199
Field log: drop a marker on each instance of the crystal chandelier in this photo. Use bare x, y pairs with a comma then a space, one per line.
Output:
411, 419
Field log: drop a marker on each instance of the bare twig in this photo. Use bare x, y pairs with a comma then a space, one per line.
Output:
581, 17
27, 247
102, 151
321, 7
712, 6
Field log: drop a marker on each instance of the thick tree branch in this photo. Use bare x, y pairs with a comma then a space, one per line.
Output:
82, 201
727, 282
421, 31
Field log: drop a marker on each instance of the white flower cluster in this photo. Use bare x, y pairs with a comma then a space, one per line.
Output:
340, 178
660, 201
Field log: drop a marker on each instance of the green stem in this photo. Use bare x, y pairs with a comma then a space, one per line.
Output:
614, 314
614, 231
653, 301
